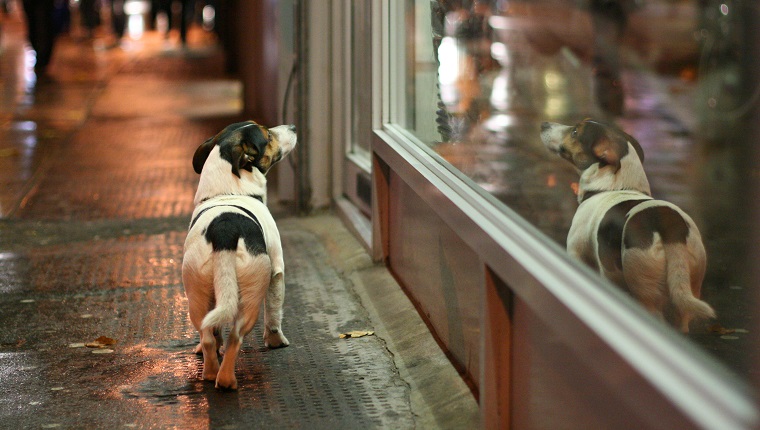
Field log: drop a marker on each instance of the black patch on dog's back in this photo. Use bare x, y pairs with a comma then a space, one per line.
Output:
610, 235
224, 232
641, 227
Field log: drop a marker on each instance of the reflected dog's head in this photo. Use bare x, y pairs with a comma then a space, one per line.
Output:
589, 142
607, 157
236, 160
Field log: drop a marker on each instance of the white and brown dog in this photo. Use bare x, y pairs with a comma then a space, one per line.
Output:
649, 247
233, 257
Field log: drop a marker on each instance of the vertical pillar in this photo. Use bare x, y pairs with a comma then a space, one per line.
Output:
496, 353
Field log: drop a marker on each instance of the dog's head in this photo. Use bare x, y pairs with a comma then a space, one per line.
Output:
248, 145
589, 142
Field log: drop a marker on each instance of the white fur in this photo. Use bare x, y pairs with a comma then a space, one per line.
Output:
236, 281
658, 276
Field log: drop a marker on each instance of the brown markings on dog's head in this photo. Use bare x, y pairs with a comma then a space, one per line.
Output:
244, 145
590, 142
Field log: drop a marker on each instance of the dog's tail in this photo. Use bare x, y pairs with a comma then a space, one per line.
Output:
225, 290
679, 286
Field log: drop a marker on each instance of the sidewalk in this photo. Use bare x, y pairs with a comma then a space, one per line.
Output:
96, 190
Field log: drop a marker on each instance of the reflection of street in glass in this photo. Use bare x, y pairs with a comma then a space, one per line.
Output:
665, 72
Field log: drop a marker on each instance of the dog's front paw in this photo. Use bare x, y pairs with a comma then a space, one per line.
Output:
275, 338
210, 370
225, 382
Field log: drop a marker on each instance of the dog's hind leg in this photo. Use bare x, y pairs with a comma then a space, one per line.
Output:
273, 335
199, 306
226, 378
210, 358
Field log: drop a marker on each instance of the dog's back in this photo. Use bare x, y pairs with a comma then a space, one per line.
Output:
231, 258
649, 247
663, 242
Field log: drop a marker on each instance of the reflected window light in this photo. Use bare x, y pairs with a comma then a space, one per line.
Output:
209, 15
556, 107
553, 81
135, 26
499, 51
30, 78
500, 122
500, 92
448, 70
557, 100
30, 141
135, 11
8, 256
24, 126
136, 7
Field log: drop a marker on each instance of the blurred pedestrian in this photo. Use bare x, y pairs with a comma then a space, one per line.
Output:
89, 11
118, 20
165, 7
186, 19
609, 18
41, 28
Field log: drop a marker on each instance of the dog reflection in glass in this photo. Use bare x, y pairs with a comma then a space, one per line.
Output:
649, 247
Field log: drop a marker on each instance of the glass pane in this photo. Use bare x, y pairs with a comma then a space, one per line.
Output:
482, 77
361, 77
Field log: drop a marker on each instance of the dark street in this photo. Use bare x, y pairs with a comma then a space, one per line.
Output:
96, 196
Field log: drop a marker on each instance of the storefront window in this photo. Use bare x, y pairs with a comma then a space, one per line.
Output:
481, 77
360, 77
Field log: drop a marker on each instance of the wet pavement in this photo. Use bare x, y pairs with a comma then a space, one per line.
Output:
96, 191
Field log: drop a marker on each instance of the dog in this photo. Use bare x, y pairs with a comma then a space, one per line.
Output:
651, 248
233, 257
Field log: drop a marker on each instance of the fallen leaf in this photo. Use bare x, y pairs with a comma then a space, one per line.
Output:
106, 340
100, 342
356, 333
719, 329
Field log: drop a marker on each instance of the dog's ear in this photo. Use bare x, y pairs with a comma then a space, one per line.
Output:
201, 154
255, 141
608, 151
636, 146
237, 153
607, 144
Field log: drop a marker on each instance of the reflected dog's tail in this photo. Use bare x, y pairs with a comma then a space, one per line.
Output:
225, 290
679, 284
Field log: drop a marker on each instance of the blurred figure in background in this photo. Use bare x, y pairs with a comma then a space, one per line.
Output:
610, 18
41, 27
90, 15
118, 21
186, 19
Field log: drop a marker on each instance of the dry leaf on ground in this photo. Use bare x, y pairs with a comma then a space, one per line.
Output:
356, 333
100, 342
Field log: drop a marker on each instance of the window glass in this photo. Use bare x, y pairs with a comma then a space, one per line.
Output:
482, 77
361, 77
